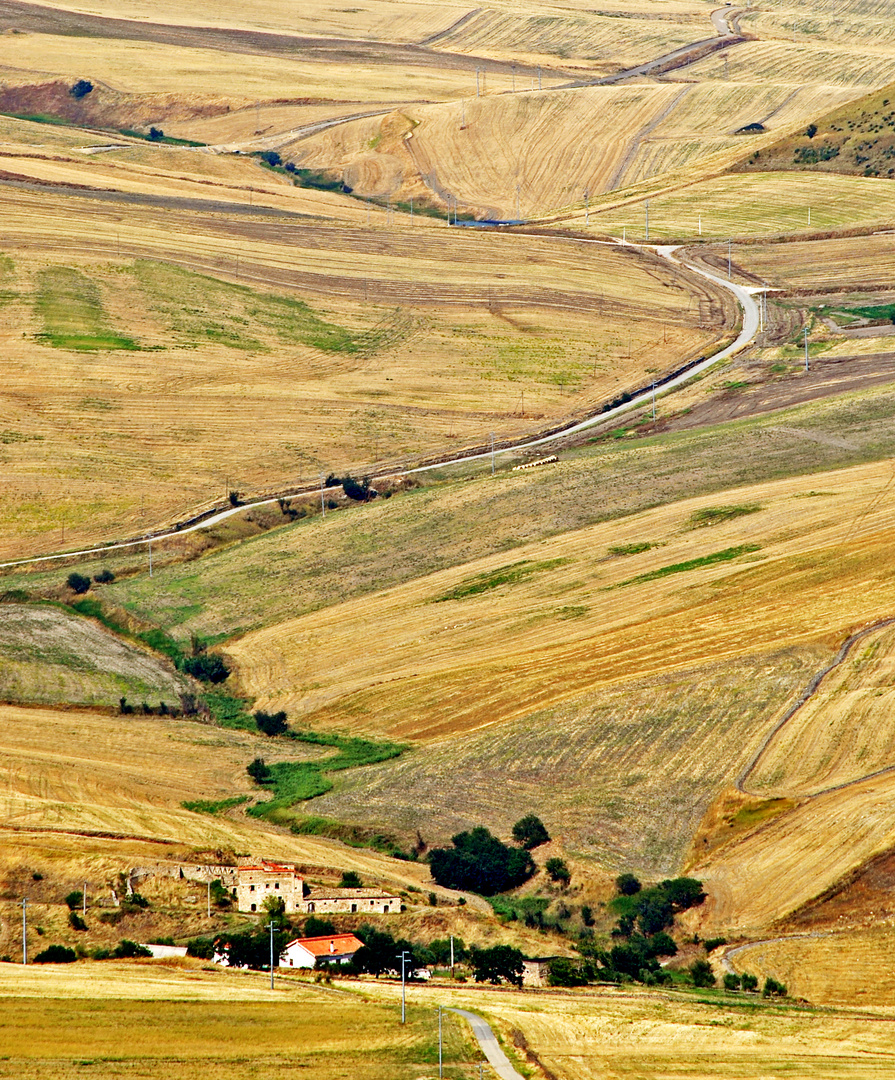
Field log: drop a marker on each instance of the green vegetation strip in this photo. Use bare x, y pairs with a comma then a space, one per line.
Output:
727, 555
504, 575
717, 515
68, 303
204, 806
298, 781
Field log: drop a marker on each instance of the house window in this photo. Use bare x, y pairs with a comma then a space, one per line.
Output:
251, 888
254, 907
310, 908
385, 909
277, 885
354, 907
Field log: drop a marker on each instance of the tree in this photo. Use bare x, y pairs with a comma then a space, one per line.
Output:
654, 912
500, 963
251, 948
683, 892
358, 490
701, 973
104, 577
530, 832
220, 894
75, 921
480, 862
662, 944
811, 130
258, 771
315, 927
74, 900
587, 915
127, 950
81, 88
627, 884
749, 982
272, 158
77, 583
207, 668
156, 134
731, 981
558, 871
772, 988
350, 880
56, 954
271, 723
275, 906
562, 971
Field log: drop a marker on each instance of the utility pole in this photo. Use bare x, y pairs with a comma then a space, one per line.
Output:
271, 926
440, 1046
805, 332
646, 208
452, 956
654, 401
84, 901
586, 207
208, 898
403, 1002
24, 929
492, 453
539, 76
700, 224
728, 260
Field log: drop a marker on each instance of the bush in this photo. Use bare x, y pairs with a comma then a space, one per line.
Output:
272, 158
77, 583
207, 668
587, 915
74, 900
558, 871
350, 880
530, 832
75, 921
749, 982
271, 723
627, 884
156, 134
481, 863
104, 577
772, 988
127, 950
220, 895
662, 944
315, 927
731, 982
713, 943
565, 972
258, 771
701, 973
81, 88
201, 947
56, 954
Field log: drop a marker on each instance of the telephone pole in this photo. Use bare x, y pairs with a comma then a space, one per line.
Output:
271, 926
646, 210
24, 929
403, 1003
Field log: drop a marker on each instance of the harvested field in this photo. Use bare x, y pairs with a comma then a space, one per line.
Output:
767, 204
842, 734
49, 656
463, 664
816, 266
440, 338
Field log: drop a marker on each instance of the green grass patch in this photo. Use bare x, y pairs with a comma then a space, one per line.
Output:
757, 813
630, 549
39, 118
717, 515
69, 306
881, 311
167, 140
521, 908
204, 806
353, 835
727, 555
494, 579
229, 711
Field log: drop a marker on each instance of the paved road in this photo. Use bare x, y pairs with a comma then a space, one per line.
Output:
487, 1040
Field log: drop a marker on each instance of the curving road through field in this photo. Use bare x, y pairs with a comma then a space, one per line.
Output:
750, 322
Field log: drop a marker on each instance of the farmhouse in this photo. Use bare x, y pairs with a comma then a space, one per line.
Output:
257, 881
305, 952
351, 901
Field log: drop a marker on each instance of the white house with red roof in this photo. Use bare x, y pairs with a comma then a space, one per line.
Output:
305, 952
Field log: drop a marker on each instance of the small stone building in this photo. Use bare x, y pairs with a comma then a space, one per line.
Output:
305, 952
256, 881
351, 902
535, 970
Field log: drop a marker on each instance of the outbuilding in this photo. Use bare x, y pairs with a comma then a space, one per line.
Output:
305, 952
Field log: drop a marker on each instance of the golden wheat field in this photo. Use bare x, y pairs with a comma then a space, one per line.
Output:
818, 265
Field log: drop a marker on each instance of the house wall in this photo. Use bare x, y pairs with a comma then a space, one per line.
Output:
256, 885
348, 905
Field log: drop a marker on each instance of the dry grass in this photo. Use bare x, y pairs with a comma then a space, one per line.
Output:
817, 265
50, 656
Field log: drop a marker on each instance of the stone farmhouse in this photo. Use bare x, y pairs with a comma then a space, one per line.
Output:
352, 901
257, 881
305, 952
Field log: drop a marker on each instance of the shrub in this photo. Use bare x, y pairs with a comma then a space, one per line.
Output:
627, 884
156, 134
315, 927
81, 88
104, 577
271, 723
731, 982
713, 943
587, 915
220, 895
500, 963
127, 950
358, 490
350, 880
558, 871
77, 583
530, 832
272, 158
701, 973
74, 900
433, 900
56, 954
275, 906
772, 988
749, 982
201, 947
75, 921
565, 972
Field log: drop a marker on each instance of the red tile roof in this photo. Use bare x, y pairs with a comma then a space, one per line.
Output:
330, 945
